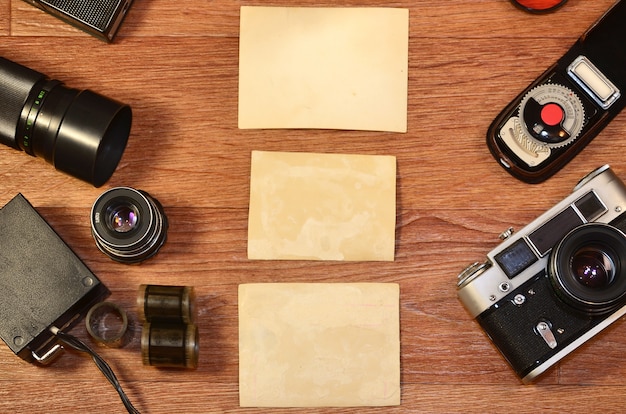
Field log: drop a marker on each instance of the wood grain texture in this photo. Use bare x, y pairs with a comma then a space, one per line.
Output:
177, 67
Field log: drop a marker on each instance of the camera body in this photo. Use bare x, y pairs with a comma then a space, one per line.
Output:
567, 106
552, 286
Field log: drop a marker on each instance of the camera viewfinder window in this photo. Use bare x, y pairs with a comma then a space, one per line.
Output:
516, 258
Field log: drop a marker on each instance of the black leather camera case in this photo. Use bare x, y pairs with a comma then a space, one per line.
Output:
42, 282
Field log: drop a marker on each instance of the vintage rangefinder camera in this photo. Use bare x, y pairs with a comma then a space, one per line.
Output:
559, 281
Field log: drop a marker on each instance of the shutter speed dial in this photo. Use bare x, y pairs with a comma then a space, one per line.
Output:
551, 114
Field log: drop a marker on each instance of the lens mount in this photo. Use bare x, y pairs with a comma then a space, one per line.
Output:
128, 225
587, 268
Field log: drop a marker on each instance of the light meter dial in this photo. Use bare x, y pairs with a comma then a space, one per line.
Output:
552, 115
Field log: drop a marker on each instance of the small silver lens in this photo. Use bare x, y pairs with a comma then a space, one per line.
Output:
128, 225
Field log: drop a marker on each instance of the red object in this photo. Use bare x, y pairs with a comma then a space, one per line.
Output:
552, 114
539, 5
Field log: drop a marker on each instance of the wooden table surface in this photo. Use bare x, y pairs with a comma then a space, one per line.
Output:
177, 66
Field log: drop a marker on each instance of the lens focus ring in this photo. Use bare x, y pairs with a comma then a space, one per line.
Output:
128, 225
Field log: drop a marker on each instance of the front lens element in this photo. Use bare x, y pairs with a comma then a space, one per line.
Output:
593, 267
123, 218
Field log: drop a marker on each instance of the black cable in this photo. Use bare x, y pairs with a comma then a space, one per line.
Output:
106, 370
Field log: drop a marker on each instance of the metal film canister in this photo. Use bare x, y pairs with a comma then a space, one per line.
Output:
171, 304
170, 345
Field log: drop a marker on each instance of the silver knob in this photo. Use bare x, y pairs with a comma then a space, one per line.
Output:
506, 233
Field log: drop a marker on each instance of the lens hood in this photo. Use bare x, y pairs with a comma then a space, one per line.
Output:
92, 137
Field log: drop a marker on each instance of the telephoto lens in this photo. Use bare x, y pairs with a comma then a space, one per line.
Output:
128, 225
81, 133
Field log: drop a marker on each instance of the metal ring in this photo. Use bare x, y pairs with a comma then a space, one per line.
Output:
107, 324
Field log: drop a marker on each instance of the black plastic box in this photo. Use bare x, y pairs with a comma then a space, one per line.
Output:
42, 282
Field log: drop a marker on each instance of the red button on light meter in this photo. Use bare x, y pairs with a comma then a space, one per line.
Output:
552, 114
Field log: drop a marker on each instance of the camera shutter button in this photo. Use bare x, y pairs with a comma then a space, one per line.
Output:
552, 114
506, 233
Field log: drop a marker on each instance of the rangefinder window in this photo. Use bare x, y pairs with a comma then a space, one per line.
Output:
590, 206
516, 258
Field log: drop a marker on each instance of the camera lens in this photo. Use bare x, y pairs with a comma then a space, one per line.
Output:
128, 225
538, 6
588, 268
81, 133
